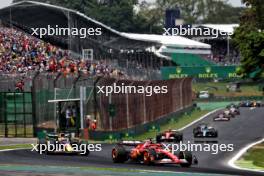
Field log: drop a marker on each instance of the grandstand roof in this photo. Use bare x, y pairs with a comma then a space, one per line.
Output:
31, 14
27, 3
167, 40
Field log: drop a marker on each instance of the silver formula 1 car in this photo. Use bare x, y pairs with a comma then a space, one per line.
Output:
203, 130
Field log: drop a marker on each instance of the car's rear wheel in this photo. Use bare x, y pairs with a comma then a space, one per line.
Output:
119, 154
80, 145
188, 157
158, 138
216, 134
197, 134
40, 142
177, 138
43, 142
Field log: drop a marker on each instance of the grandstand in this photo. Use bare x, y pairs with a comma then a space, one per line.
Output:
223, 50
144, 53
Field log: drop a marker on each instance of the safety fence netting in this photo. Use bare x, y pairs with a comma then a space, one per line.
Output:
51, 94
126, 110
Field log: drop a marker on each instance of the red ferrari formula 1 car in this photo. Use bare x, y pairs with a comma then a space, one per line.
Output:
150, 153
169, 136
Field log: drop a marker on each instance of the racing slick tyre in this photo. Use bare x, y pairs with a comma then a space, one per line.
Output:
177, 138
197, 134
149, 157
119, 154
87, 152
43, 142
216, 134
187, 156
158, 138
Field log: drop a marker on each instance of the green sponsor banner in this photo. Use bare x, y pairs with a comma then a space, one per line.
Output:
200, 72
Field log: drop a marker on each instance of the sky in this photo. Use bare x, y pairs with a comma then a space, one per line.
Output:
4, 3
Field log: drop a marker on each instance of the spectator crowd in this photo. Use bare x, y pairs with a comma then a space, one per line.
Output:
22, 53
220, 55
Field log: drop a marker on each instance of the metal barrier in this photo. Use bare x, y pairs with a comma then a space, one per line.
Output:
16, 118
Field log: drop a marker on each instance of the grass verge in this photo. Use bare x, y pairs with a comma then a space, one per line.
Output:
253, 159
175, 124
219, 89
17, 146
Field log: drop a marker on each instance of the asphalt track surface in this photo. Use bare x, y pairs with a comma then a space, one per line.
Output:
240, 131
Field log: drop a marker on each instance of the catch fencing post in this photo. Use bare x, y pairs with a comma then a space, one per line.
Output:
181, 92
82, 99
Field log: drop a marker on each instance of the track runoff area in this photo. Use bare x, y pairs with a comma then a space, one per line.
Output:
238, 132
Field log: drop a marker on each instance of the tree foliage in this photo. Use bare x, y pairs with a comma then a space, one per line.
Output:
249, 38
203, 11
132, 16
119, 14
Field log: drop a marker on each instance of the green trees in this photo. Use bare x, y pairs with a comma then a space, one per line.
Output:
143, 17
202, 11
119, 14
249, 38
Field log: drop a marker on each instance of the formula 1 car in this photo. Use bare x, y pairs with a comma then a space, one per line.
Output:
251, 104
229, 113
232, 105
222, 117
62, 143
234, 109
169, 136
203, 130
150, 153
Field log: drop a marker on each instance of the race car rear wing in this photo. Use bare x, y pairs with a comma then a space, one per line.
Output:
130, 143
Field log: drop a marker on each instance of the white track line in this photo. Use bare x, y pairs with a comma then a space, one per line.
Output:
232, 161
201, 118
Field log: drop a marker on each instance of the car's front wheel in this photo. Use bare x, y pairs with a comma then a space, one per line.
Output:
188, 157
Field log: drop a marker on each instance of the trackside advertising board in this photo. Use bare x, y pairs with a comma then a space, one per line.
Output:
200, 72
